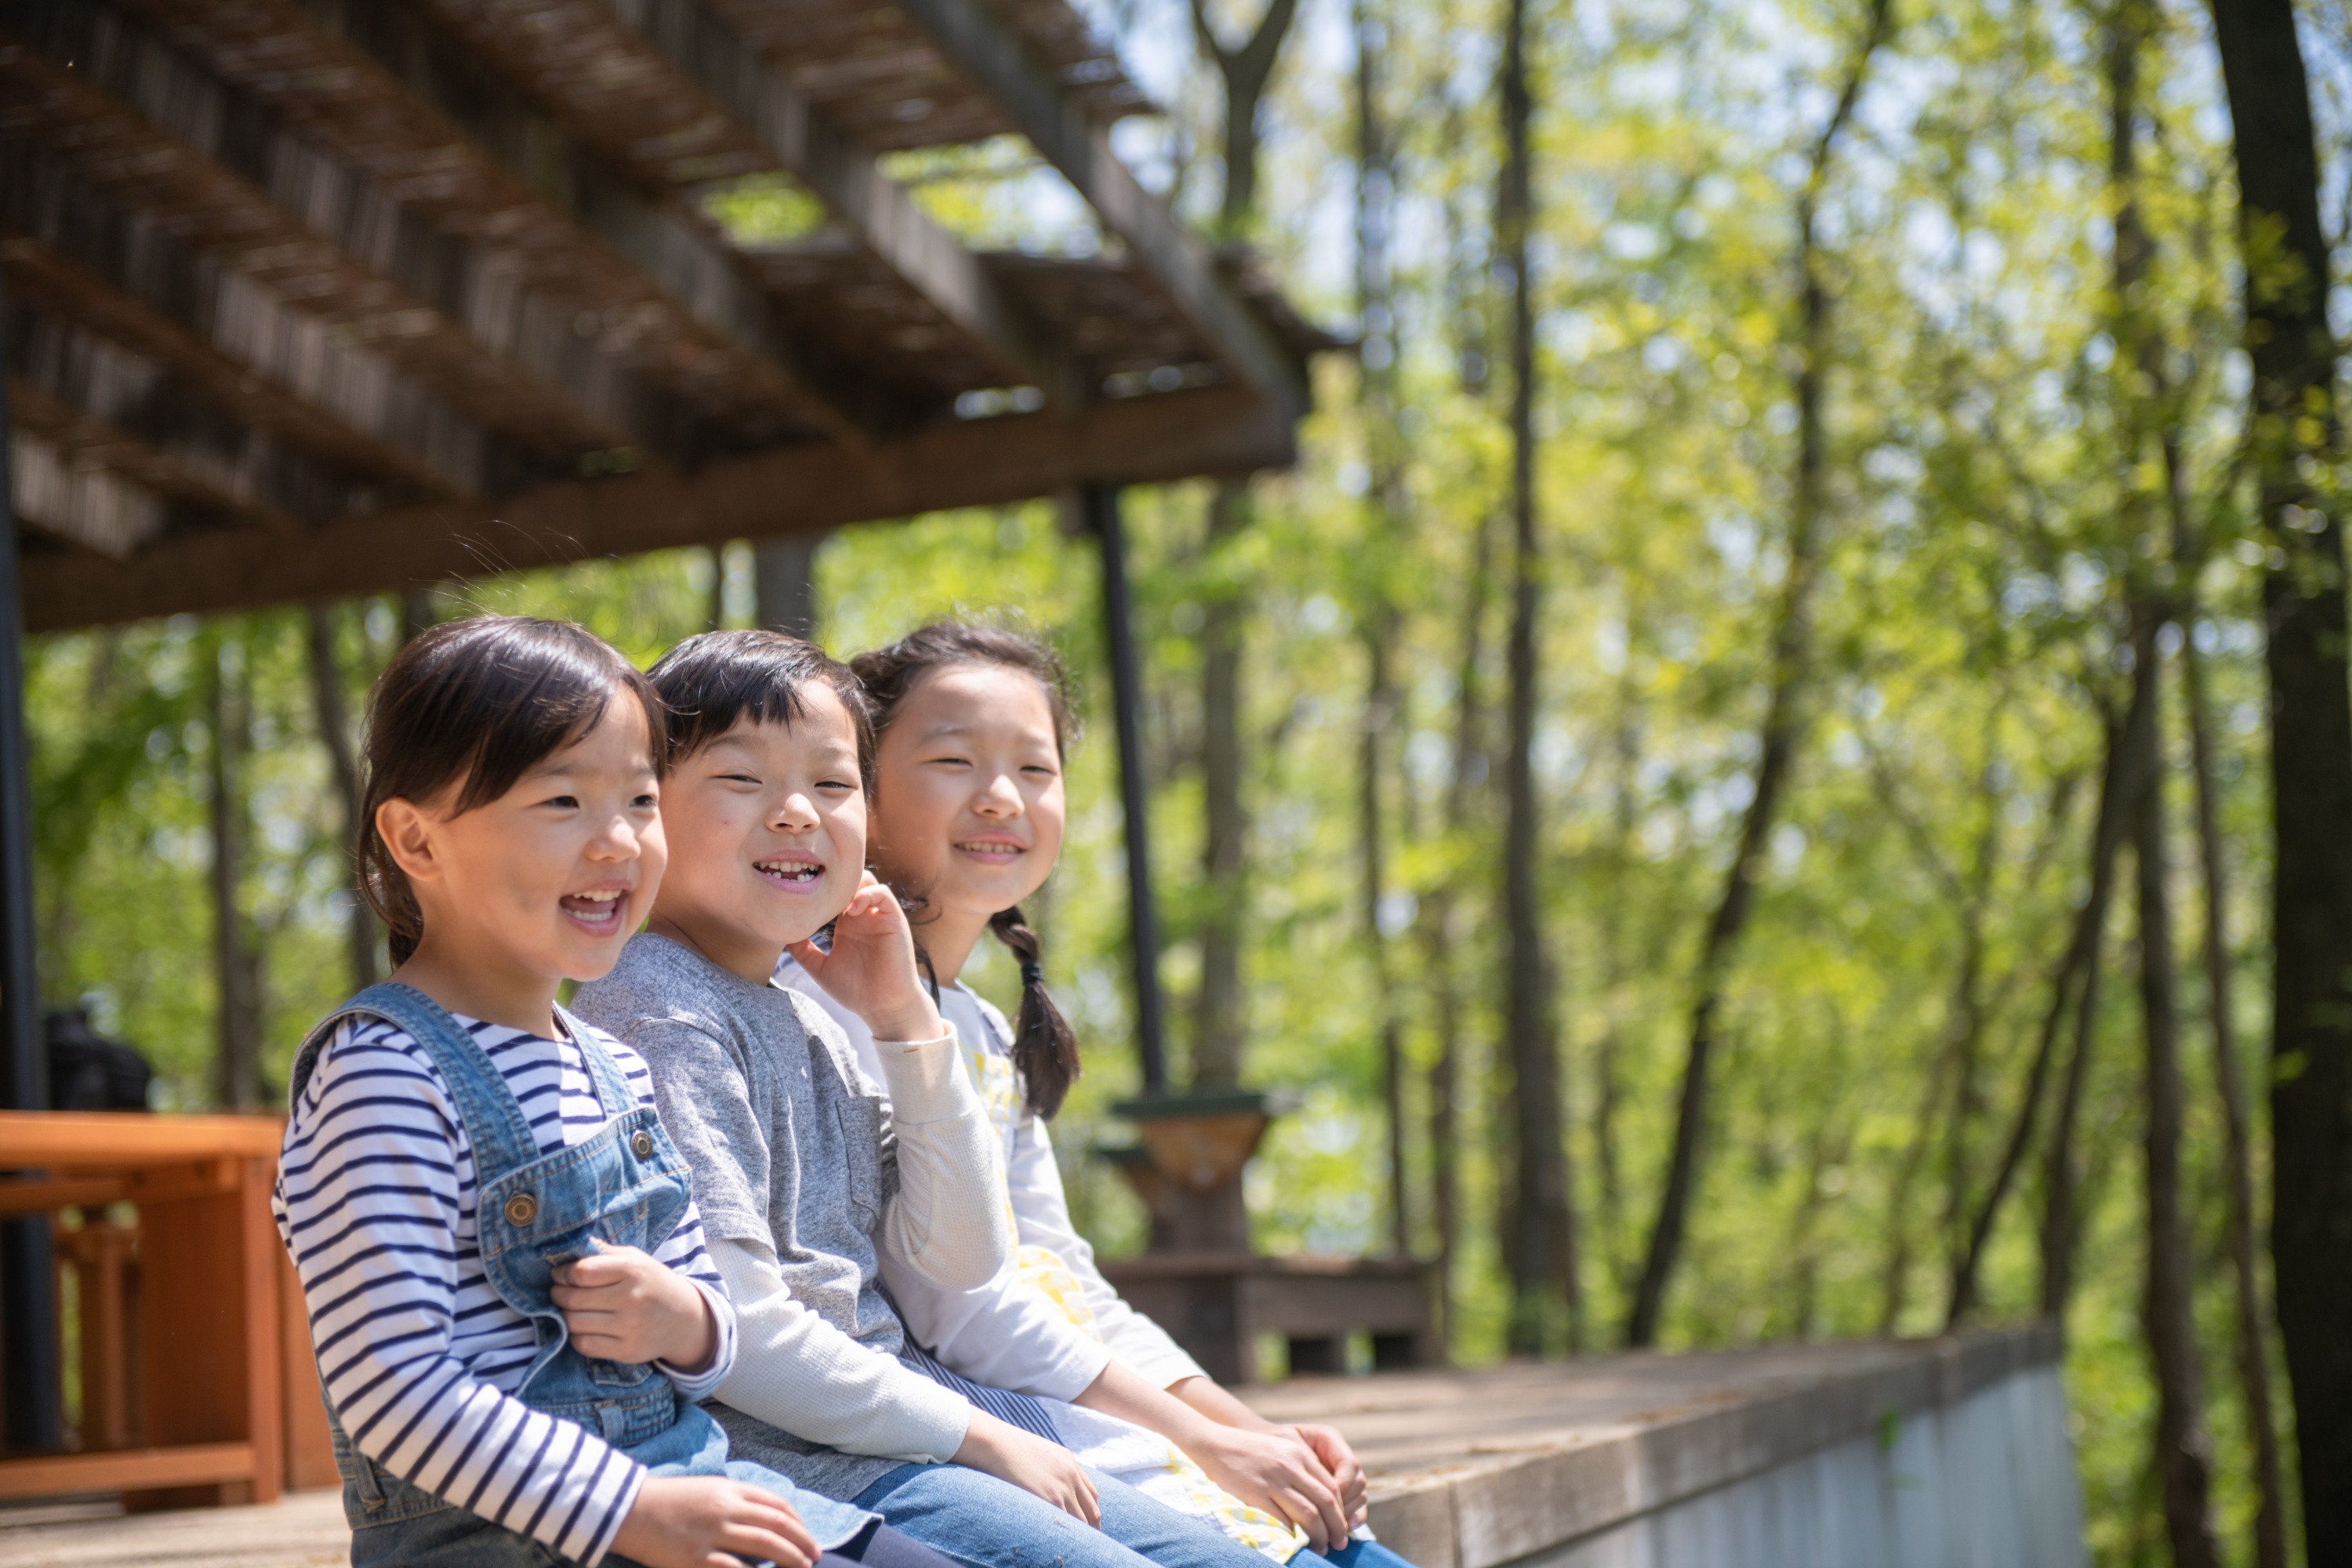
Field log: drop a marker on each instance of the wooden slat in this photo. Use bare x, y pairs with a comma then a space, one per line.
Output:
160, 157
234, 374
309, 1441
193, 1464
981, 462
88, 437
706, 52
66, 1191
1058, 126
128, 1140
532, 203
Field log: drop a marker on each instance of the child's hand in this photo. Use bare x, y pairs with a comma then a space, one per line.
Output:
1280, 1473
871, 969
1338, 1458
1026, 1461
709, 1521
623, 1306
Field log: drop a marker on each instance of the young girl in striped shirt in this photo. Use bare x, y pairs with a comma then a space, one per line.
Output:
510, 1299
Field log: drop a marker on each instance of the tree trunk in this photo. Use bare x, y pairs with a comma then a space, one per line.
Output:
1376, 614
1217, 1008
2293, 358
1245, 71
2253, 1357
1541, 1242
1605, 1236
1896, 1283
2120, 781
1218, 1026
2183, 1451
784, 582
1442, 910
334, 716
1783, 716
1966, 1026
236, 963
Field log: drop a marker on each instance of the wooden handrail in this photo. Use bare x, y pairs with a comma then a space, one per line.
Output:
128, 1140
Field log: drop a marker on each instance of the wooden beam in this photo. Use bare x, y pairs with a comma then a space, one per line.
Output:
877, 211
970, 33
519, 200
980, 462
159, 159
256, 377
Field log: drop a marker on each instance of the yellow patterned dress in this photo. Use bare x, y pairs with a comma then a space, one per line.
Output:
1125, 1452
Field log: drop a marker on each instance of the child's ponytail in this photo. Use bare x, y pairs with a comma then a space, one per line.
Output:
1045, 1052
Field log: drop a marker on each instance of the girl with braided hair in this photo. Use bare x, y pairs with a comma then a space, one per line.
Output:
971, 724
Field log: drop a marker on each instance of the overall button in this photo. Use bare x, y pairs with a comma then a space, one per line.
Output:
521, 1209
642, 1145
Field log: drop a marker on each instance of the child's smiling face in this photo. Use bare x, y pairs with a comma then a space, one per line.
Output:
968, 790
767, 834
548, 881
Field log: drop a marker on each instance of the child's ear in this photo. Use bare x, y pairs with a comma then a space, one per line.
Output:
408, 834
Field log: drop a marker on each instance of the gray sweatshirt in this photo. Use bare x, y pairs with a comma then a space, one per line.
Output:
807, 1175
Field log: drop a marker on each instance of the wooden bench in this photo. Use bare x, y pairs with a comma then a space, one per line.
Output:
196, 1377
1216, 1304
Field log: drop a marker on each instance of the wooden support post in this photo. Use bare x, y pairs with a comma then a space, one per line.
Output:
1101, 503
214, 1351
28, 1301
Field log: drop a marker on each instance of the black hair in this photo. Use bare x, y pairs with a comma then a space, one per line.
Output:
1045, 1051
464, 711
711, 682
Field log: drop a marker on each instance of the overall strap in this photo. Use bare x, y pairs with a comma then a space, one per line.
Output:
493, 1119
613, 1090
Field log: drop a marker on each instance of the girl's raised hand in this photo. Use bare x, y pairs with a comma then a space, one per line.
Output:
871, 969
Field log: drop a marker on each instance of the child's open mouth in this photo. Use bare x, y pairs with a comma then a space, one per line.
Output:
992, 851
793, 875
597, 914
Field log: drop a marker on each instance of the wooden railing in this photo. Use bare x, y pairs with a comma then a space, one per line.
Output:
197, 1385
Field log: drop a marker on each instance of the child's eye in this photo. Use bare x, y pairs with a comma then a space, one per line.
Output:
952, 761
835, 784
1038, 770
561, 802
647, 802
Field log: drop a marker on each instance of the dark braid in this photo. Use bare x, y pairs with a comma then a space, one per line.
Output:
1045, 1051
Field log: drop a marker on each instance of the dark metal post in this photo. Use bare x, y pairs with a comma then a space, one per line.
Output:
28, 1302
1101, 503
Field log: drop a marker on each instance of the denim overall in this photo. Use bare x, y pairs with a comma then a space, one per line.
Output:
624, 1187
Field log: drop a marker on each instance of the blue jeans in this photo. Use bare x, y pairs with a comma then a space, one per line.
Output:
983, 1522
1354, 1554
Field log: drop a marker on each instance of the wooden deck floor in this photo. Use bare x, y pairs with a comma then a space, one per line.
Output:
1480, 1469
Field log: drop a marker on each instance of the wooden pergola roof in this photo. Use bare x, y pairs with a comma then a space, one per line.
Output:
317, 297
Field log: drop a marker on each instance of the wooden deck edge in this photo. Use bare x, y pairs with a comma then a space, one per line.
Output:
1483, 1513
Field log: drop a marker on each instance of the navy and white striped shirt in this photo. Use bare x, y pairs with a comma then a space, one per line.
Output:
420, 1356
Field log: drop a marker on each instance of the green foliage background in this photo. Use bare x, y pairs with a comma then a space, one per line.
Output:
1969, 630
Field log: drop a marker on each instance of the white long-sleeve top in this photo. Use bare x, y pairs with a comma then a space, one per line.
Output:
420, 1356
1006, 1333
